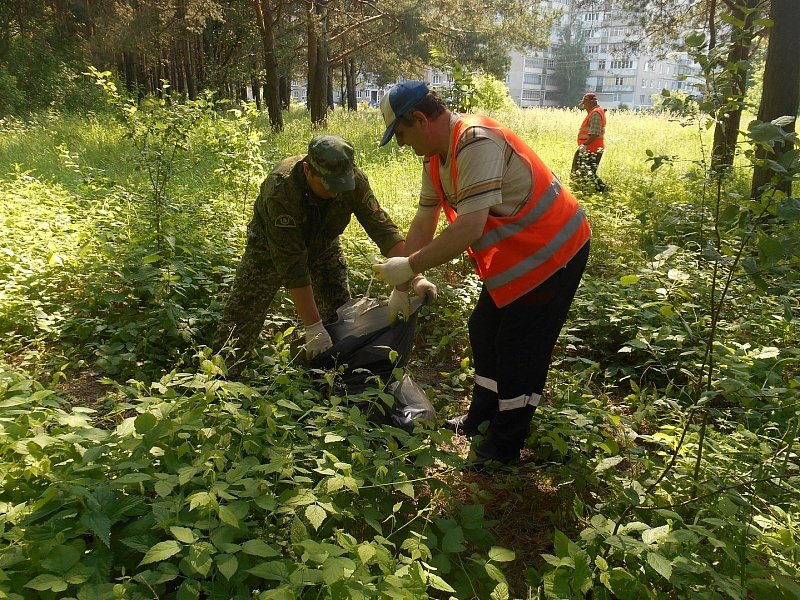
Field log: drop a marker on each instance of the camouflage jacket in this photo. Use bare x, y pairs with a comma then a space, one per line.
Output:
295, 225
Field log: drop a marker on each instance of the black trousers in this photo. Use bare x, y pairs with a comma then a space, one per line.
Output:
512, 348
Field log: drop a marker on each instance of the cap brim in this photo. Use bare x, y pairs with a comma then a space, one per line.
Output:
341, 183
387, 136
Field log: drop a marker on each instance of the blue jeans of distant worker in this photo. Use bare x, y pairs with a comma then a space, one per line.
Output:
512, 348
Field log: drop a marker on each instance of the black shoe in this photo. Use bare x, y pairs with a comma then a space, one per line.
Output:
489, 458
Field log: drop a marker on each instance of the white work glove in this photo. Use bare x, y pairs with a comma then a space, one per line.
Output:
395, 271
317, 339
423, 287
399, 304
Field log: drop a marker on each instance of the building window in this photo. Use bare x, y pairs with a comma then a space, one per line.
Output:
532, 79
437, 78
617, 97
617, 31
641, 98
644, 83
550, 63
621, 64
593, 49
591, 16
601, 65
531, 95
619, 81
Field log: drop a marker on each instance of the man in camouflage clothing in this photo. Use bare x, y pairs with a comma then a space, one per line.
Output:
304, 204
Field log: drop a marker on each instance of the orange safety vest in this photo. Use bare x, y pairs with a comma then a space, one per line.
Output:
516, 253
583, 135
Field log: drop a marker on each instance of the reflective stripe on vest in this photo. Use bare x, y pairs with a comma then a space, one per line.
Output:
583, 133
517, 253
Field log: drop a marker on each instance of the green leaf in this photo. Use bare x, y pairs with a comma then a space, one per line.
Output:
337, 568
789, 209
227, 564
660, 564
161, 551
315, 515
495, 573
145, 422
770, 247
47, 582
499, 554
631, 496
629, 279
200, 559
183, 534
453, 540
365, 552
259, 548
273, 570
164, 487
655, 535
438, 583
500, 592
406, 487
201, 499
189, 590
766, 133
226, 515
99, 524
60, 559
607, 463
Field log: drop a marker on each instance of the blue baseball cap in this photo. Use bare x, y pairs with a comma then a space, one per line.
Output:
400, 99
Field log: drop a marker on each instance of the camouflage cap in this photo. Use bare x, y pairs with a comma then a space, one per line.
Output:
332, 158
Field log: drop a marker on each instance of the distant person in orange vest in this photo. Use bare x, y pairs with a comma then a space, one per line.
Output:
529, 241
591, 145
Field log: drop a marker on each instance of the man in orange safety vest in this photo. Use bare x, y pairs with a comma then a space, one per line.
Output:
528, 239
591, 145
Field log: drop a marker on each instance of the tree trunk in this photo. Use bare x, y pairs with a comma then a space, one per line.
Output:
781, 93
726, 131
129, 70
285, 91
256, 85
191, 77
349, 68
318, 72
266, 23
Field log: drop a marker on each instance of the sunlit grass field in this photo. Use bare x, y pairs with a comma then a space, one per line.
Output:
70, 184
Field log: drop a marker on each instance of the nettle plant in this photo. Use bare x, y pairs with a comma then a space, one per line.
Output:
162, 254
706, 502
212, 489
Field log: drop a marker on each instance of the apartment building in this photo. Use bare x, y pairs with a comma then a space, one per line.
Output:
618, 76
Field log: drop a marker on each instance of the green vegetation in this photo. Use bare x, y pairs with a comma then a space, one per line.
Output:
665, 456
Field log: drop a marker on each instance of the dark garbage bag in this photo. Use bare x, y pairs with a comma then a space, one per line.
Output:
363, 342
